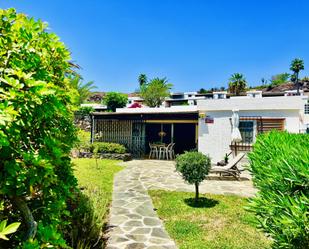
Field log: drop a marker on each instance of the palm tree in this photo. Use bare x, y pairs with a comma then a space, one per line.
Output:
237, 83
142, 79
83, 89
296, 66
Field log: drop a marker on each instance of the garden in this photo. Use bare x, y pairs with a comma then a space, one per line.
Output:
48, 199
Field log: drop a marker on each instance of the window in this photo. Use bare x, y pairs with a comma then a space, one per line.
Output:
247, 130
306, 108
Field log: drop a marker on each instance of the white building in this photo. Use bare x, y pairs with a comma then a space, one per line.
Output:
205, 126
256, 115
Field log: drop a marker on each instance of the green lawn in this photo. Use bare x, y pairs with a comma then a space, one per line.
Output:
97, 181
219, 222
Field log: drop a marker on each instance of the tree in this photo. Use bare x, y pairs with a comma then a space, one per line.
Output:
296, 66
194, 167
202, 90
237, 83
279, 79
155, 91
83, 89
142, 79
36, 132
115, 100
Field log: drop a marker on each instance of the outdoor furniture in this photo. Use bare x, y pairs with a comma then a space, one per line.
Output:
167, 152
231, 168
154, 151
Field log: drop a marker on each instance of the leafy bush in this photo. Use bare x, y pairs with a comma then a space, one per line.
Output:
84, 110
279, 163
115, 100
36, 132
194, 167
103, 147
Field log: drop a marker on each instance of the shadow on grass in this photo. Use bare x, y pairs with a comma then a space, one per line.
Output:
203, 202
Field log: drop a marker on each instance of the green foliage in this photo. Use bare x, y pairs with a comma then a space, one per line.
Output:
279, 79
194, 167
142, 79
237, 83
84, 110
279, 163
7, 229
36, 131
297, 65
155, 91
83, 140
83, 90
115, 100
103, 147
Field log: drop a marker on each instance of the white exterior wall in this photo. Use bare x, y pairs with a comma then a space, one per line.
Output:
215, 138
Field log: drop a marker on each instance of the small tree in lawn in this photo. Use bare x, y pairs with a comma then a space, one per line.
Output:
194, 167
115, 100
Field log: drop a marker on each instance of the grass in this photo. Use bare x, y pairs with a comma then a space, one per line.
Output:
217, 222
97, 181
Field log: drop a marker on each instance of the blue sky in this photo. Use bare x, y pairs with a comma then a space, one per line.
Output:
193, 43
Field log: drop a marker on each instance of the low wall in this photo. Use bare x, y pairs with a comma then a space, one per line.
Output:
123, 157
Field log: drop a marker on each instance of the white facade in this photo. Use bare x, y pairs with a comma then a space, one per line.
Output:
215, 138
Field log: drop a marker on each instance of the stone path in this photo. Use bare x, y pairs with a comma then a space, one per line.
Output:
133, 222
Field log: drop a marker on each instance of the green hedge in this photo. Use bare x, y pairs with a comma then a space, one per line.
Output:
280, 167
103, 147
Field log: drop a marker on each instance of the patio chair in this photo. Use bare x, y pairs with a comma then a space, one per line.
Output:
153, 151
231, 168
167, 152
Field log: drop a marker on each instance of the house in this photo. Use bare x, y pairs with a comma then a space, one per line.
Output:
257, 115
205, 126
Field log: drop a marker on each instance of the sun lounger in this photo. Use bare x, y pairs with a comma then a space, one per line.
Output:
230, 169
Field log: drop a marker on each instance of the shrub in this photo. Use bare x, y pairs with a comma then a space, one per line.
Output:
194, 167
279, 163
103, 147
36, 132
115, 100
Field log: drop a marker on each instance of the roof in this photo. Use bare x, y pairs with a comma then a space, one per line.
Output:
149, 110
257, 104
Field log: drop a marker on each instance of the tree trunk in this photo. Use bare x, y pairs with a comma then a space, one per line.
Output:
297, 84
20, 204
196, 192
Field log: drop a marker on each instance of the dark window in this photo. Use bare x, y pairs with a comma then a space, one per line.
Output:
306, 108
246, 129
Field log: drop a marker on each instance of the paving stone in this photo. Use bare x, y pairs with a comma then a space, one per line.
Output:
136, 246
141, 230
159, 232
152, 221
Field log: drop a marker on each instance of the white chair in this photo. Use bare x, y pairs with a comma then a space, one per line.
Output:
171, 151
153, 151
167, 152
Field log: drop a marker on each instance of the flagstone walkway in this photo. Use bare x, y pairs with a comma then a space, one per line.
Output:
133, 222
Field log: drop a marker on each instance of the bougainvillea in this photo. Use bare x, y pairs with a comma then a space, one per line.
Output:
36, 132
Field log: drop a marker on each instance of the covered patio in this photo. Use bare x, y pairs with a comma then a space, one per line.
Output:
138, 130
